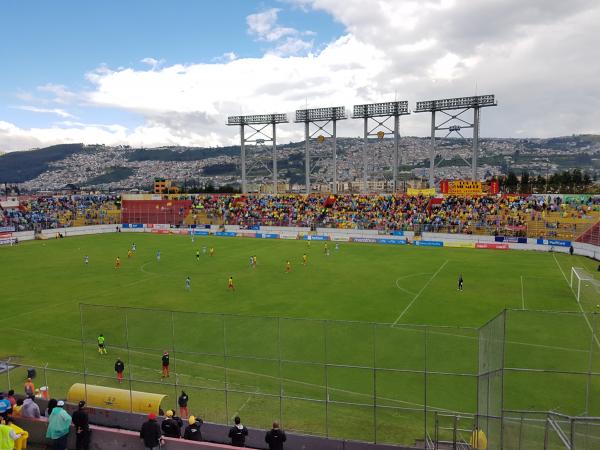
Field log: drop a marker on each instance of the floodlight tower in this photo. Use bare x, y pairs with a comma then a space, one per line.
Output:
320, 118
454, 123
380, 113
259, 125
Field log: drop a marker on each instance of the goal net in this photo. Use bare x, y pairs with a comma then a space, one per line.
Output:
586, 288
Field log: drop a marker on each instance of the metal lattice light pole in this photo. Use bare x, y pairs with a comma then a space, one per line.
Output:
320, 118
380, 113
259, 135
453, 123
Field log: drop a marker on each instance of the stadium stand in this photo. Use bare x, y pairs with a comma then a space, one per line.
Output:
507, 215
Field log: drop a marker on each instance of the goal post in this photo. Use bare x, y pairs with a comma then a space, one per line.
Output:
585, 288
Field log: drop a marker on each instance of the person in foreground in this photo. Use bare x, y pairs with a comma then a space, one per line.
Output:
59, 423
150, 433
192, 431
275, 437
238, 433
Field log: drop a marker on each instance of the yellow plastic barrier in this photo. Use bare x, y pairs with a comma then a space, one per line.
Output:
118, 399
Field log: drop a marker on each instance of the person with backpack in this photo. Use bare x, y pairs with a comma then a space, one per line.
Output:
192, 431
275, 437
238, 433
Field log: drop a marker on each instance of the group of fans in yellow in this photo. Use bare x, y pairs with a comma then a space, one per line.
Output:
211, 252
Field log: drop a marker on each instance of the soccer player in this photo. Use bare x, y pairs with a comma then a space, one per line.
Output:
158, 256
251, 261
230, 284
129, 254
133, 247
211, 252
460, 282
86, 260
254, 261
119, 368
204, 250
197, 255
193, 238
165, 364
118, 263
337, 247
304, 259
188, 283
101, 345
288, 267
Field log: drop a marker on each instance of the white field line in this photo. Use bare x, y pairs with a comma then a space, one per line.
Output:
419, 293
522, 294
578, 303
404, 277
404, 290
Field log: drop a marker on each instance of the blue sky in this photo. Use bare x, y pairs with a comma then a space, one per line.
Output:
170, 72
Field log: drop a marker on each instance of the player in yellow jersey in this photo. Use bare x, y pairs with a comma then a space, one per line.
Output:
230, 284
254, 261
129, 254
304, 259
211, 252
118, 263
288, 267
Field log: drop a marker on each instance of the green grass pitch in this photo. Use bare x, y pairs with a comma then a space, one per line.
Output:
362, 284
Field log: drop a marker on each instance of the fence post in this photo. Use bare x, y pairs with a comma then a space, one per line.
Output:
325, 325
374, 386
435, 432
8, 372
425, 383
546, 433
280, 379
174, 358
454, 424
520, 431
128, 361
82, 353
225, 368
572, 431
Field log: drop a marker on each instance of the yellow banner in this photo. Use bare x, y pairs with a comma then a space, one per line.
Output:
414, 191
457, 244
462, 187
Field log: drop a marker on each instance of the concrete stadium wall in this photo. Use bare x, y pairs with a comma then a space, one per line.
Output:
117, 429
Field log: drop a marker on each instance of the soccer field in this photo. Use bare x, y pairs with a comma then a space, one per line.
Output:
361, 307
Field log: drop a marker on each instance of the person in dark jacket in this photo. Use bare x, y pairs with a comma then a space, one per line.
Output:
238, 433
119, 368
192, 431
81, 422
150, 433
275, 437
183, 405
171, 427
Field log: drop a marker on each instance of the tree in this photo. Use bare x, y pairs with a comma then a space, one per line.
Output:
511, 182
524, 186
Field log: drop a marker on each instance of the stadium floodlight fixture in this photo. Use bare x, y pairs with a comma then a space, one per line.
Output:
321, 114
477, 101
257, 119
399, 108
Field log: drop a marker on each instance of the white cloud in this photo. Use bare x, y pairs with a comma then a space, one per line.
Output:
59, 112
536, 56
263, 25
60, 93
152, 62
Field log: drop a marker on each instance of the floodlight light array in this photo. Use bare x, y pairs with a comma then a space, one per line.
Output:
257, 119
315, 114
456, 103
381, 109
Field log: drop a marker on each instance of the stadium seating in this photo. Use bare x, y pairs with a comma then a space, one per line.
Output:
508, 215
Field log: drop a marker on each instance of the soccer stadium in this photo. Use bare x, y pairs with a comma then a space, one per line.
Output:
300, 225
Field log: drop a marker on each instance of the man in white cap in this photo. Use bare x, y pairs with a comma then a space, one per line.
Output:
59, 424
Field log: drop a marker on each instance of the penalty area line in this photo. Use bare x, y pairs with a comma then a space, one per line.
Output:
419, 293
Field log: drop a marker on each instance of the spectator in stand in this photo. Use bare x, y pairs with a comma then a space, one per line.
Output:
275, 437
8, 436
150, 433
5, 408
51, 405
192, 431
30, 408
81, 422
21, 442
171, 426
238, 433
59, 424
17, 408
11, 398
